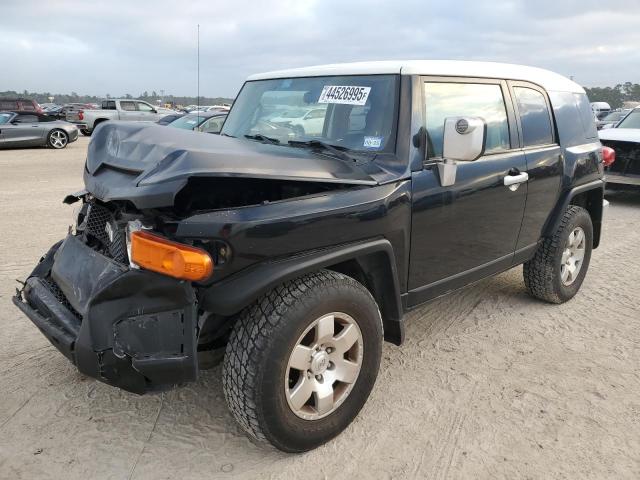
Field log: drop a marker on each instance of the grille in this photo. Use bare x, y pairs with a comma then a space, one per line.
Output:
98, 217
60, 297
627, 157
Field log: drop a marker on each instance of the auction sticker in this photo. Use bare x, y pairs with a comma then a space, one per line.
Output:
372, 142
345, 94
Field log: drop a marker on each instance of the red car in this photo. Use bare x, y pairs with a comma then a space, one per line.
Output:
20, 105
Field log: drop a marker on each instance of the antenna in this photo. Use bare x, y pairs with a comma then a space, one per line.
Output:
198, 92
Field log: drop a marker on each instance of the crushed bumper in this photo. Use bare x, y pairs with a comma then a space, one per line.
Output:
129, 328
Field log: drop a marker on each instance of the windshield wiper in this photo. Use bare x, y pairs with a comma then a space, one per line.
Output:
263, 139
226, 135
337, 151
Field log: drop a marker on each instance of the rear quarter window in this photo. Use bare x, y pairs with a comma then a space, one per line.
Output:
534, 117
586, 115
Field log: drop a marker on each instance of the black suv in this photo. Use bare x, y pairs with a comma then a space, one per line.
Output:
335, 200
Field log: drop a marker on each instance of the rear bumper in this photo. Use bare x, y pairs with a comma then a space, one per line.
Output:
129, 328
622, 179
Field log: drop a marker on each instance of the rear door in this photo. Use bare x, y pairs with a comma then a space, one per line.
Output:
469, 230
543, 155
128, 110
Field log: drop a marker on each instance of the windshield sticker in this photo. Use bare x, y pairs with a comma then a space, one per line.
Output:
348, 95
372, 142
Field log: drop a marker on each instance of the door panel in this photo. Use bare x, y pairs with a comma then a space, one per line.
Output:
472, 223
544, 166
24, 134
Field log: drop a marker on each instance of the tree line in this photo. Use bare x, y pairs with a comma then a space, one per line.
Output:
615, 96
151, 97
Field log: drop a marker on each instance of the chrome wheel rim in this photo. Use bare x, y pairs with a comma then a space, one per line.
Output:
572, 256
58, 139
323, 366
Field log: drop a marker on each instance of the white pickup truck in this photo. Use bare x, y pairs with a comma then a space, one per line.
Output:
116, 109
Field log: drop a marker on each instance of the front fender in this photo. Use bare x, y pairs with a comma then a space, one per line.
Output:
375, 258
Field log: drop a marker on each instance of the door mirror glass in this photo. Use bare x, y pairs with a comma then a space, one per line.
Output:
464, 138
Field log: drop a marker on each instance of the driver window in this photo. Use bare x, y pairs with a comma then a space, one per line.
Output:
143, 107
465, 99
26, 119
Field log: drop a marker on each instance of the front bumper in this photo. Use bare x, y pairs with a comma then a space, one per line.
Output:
130, 328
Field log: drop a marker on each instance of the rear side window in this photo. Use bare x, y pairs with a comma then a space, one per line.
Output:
27, 106
586, 115
109, 105
534, 117
128, 106
466, 99
27, 118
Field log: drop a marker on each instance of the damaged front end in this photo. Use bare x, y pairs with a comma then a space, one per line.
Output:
127, 327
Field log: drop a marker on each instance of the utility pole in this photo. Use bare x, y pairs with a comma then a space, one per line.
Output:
198, 92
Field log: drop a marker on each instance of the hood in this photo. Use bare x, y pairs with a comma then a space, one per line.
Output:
620, 134
161, 154
148, 163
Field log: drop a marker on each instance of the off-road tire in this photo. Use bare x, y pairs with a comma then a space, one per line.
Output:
542, 275
258, 352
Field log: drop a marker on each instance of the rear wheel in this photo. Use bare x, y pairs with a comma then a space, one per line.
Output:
560, 264
301, 362
57, 139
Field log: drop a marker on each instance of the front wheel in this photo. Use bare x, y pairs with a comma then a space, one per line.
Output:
57, 139
301, 362
560, 264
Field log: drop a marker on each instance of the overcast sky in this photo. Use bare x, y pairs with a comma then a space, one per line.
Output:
129, 46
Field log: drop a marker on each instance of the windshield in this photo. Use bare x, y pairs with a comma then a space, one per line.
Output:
632, 120
615, 116
356, 112
5, 117
188, 122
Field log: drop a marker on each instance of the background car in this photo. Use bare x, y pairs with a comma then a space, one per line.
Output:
305, 122
624, 138
612, 119
207, 122
19, 105
170, 118
32, 130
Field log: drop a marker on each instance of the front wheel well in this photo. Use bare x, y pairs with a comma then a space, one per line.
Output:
376, 274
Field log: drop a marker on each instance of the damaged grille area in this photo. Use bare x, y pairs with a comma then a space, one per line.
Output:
60, 296
100, 225
627, 157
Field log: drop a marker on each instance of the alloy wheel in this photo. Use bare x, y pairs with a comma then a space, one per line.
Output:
324, 366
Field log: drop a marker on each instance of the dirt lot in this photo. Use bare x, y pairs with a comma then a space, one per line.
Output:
490, 383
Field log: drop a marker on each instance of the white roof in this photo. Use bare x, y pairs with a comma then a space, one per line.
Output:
550, 81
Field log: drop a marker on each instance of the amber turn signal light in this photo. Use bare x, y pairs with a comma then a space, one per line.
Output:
156, 253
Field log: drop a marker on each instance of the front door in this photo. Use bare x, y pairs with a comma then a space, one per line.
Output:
469, 230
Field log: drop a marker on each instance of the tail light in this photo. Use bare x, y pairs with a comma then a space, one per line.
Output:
80, 115
608, 156
177, 260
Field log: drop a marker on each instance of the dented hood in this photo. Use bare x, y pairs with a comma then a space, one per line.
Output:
130, 160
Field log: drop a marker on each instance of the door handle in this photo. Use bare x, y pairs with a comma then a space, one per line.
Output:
510, 180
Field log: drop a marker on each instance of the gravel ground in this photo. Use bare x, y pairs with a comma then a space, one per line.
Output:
490, 383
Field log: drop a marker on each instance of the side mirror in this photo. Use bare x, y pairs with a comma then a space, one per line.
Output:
464, 140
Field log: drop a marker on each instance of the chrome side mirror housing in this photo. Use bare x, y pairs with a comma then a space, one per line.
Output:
464, 141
